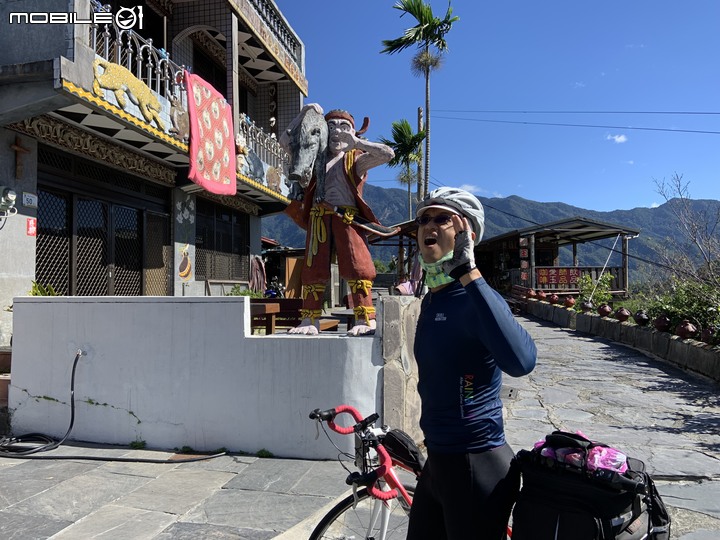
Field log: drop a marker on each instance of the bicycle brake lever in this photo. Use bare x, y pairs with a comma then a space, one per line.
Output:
355, 496
317, 428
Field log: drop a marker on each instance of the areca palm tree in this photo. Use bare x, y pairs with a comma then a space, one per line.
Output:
428, 35
408, 151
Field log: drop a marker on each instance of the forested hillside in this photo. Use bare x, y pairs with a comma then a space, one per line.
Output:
656, 225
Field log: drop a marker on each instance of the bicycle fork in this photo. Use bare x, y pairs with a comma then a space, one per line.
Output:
382, 510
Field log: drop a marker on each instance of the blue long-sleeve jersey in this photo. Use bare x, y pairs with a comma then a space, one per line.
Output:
465, 338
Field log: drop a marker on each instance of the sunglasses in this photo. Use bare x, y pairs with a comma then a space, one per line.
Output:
440, 219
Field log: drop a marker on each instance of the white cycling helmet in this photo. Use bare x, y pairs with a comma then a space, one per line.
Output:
458, 201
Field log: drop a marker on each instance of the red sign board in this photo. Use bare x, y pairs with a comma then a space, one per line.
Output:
31, 226
557, 276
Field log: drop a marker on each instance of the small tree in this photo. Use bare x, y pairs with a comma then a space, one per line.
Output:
597, 292
408, 152
698, 259
428, 36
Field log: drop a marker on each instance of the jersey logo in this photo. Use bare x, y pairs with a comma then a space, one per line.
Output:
440, 317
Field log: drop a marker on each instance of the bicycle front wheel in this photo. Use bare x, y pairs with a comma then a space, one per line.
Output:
370, 519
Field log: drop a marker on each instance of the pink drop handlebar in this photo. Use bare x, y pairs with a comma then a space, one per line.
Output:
369, 479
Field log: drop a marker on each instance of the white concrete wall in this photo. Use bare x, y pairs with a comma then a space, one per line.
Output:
174, 372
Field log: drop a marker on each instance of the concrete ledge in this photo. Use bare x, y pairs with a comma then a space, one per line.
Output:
686, 353
183, 371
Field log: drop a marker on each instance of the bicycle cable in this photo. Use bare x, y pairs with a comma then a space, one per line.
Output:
11, 447
341, 452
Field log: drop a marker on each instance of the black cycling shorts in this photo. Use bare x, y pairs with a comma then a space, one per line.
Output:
465, 496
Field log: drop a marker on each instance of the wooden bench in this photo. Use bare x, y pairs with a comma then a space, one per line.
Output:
329, 325
283, 312
517, 299
263, 316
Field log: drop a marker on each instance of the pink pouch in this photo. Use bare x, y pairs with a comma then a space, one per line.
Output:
603, 457
571, 456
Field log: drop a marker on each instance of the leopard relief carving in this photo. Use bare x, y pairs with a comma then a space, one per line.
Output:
123, 83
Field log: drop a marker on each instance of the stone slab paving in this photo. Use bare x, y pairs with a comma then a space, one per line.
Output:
644, 406
653, 411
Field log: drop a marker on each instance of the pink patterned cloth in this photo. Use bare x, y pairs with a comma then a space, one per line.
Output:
212, 138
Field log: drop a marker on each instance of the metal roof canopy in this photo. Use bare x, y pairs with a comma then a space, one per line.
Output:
575, 230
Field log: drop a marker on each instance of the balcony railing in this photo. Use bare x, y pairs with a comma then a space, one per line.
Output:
266, 146
277, 26
154, 67
125, 47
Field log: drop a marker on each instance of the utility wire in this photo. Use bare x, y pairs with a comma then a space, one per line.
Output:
700, 113
558, 124
434, 181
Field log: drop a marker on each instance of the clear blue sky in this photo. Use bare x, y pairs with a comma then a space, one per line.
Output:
615, 64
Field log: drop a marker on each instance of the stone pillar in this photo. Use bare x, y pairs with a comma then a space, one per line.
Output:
401, 401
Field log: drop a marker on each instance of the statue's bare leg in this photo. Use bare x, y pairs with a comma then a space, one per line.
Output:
306, 328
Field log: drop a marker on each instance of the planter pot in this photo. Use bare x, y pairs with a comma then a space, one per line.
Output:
541, 295
554, 299
662, 323
531, 294
587, 307
641, 317
569, 302
604, 310
685, 329
708, 334
622, 314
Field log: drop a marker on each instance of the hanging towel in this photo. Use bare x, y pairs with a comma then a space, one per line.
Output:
212, 139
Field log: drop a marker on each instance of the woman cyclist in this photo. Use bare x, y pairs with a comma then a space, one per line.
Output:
466, 338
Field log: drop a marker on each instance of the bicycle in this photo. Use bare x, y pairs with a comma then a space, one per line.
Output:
380, 510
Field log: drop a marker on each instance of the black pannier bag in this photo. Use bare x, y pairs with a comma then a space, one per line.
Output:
402, 448
576, 489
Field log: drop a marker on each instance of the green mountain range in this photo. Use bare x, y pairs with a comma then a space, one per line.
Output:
658, 227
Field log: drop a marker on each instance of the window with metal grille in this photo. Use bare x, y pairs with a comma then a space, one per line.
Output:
222, 247
100, 231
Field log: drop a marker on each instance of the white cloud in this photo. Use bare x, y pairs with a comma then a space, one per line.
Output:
619, 139
471, 188
631, 162
579, 84
476, 190
654, 205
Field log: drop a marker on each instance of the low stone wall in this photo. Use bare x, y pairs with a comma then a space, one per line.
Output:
686, 353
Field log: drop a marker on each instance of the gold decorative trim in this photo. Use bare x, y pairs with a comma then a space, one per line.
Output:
247, 13
233, 202
116, 111
63, 135
261, 187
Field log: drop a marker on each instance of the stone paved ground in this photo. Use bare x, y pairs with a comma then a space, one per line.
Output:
668, 418
655, 412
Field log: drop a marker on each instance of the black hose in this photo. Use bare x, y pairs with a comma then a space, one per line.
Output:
17, 447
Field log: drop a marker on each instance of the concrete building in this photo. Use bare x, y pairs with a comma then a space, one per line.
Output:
94, 149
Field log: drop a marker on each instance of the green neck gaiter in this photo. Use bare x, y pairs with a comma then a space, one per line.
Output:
434, 275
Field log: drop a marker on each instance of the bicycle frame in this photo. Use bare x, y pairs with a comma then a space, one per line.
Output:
381, 480
378, 469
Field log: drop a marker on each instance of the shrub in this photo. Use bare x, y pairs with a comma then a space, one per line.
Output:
599, 290
687, 299
241, 290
